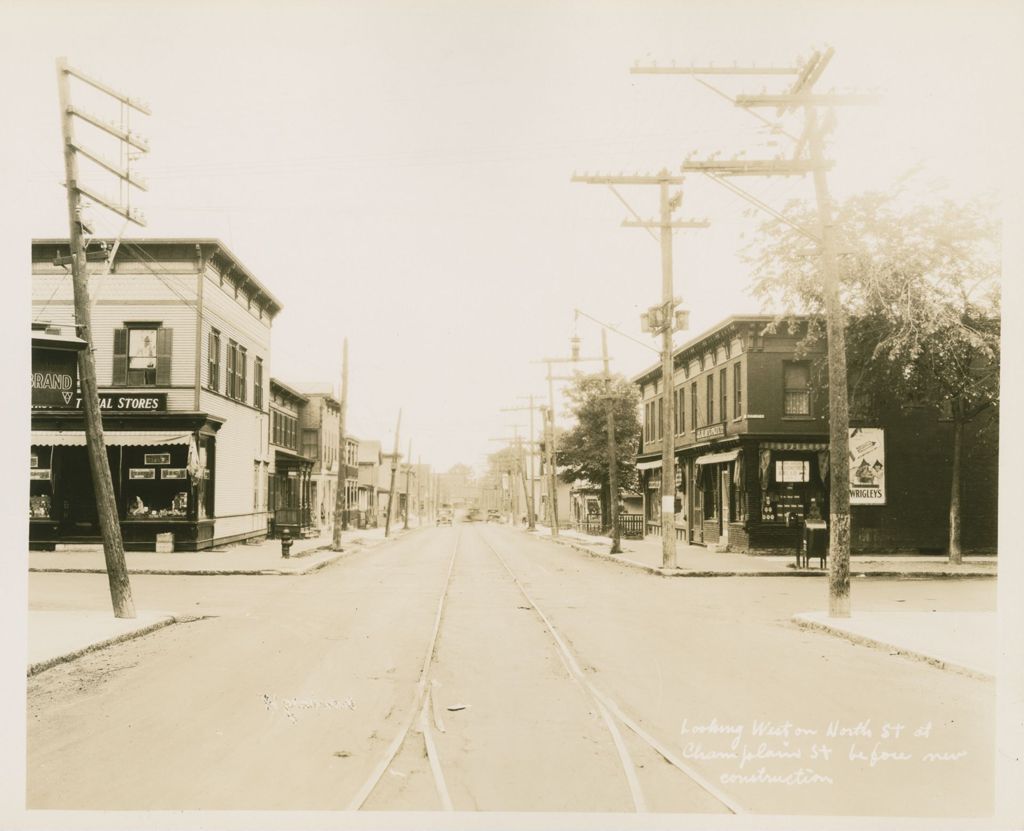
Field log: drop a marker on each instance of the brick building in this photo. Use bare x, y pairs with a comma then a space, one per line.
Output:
752, 450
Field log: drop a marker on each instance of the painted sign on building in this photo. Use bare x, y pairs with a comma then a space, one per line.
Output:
867, 466
54, 378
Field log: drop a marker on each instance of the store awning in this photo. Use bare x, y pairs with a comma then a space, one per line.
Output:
717, 458
648, 465
113, 438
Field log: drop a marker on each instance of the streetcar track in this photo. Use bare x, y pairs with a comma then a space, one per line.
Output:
424, 709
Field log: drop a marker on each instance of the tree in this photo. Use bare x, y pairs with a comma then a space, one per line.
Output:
920, 287
583, 450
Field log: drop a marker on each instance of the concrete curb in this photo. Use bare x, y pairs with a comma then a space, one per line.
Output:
40, 666
864, 640
661, 572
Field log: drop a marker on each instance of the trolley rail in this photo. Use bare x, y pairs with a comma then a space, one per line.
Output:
422, 713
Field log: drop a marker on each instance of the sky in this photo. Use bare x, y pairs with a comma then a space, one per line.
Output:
398, 173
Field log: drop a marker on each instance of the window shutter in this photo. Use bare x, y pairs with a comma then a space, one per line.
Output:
212, 360
243, 375
119, 373
164, 340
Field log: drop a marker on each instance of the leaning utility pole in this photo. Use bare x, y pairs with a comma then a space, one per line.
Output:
106, 504
801, 94
341, 491
613, 461
662, 319
394, 476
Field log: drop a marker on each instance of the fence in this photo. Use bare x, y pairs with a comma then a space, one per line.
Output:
631, 526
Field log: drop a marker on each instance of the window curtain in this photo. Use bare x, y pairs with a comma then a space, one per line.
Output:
764, 465
823, 465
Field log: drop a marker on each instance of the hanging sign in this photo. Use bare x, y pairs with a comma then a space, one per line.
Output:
172, 473
141, 473
867, 466
43, 475
156, 458
54, 378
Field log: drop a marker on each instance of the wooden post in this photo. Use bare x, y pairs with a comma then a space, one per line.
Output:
341, 491
419, 500
394, 476
106, 504
838, 408
552, 457
668, 468
613, 461
408, 491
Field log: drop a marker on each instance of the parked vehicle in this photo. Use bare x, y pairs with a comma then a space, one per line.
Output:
494, 515
473, 515
444, 517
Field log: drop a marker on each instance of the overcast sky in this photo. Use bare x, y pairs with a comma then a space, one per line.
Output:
399, 172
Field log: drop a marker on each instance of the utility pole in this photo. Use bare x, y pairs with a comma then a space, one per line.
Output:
531, 517
394, 476
419, 501
106, 503
801, 94
341, 491
613, 461
408, 490
662, 319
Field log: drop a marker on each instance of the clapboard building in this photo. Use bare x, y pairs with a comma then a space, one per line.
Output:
181, 331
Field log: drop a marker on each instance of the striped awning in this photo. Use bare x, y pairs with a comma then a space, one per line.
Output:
656, 463
717, 458
794, 445
114, 438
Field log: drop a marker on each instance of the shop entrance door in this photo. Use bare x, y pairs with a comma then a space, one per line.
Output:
78, 497
723, 536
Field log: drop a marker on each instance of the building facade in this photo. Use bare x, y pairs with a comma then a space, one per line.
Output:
752, 450
290, 489
181, 332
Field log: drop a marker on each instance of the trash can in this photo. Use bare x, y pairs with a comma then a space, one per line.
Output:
165, 543
816, 541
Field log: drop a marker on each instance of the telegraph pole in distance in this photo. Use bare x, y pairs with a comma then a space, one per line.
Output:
106, 503
419, 501
801, 94
664, 320
531, 512
408, 491
341, 492
394, 476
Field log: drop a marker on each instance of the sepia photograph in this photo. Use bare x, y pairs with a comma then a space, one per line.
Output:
513, 414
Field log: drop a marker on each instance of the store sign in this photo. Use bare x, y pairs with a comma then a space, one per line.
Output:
141, 473
41, 475
172, 473
156, 458
867, 466
54, 378
714, 431
154, 402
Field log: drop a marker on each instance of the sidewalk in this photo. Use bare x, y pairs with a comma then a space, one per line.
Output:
959, 641
57, 637
699, 561
259, 558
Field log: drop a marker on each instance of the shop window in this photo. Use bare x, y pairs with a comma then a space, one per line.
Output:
155, 482
792, 470
796, 389
142, 355
41, 483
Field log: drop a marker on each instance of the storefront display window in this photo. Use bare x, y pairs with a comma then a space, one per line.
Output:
156, 484
41, 483
792, 483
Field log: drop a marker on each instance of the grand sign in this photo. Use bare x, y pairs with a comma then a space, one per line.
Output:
54, 378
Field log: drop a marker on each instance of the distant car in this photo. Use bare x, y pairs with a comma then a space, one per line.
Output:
493, 515
444, 518
473, 515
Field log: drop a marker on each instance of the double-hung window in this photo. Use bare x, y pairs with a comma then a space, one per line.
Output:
796, 388
142, 355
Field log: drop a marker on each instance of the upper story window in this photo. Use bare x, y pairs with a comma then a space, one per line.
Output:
737, 390
693, 406
236, 371
796, 388
257, 382
213, 360
352, 454
710, 403
680, 411
723, 392
142, 355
